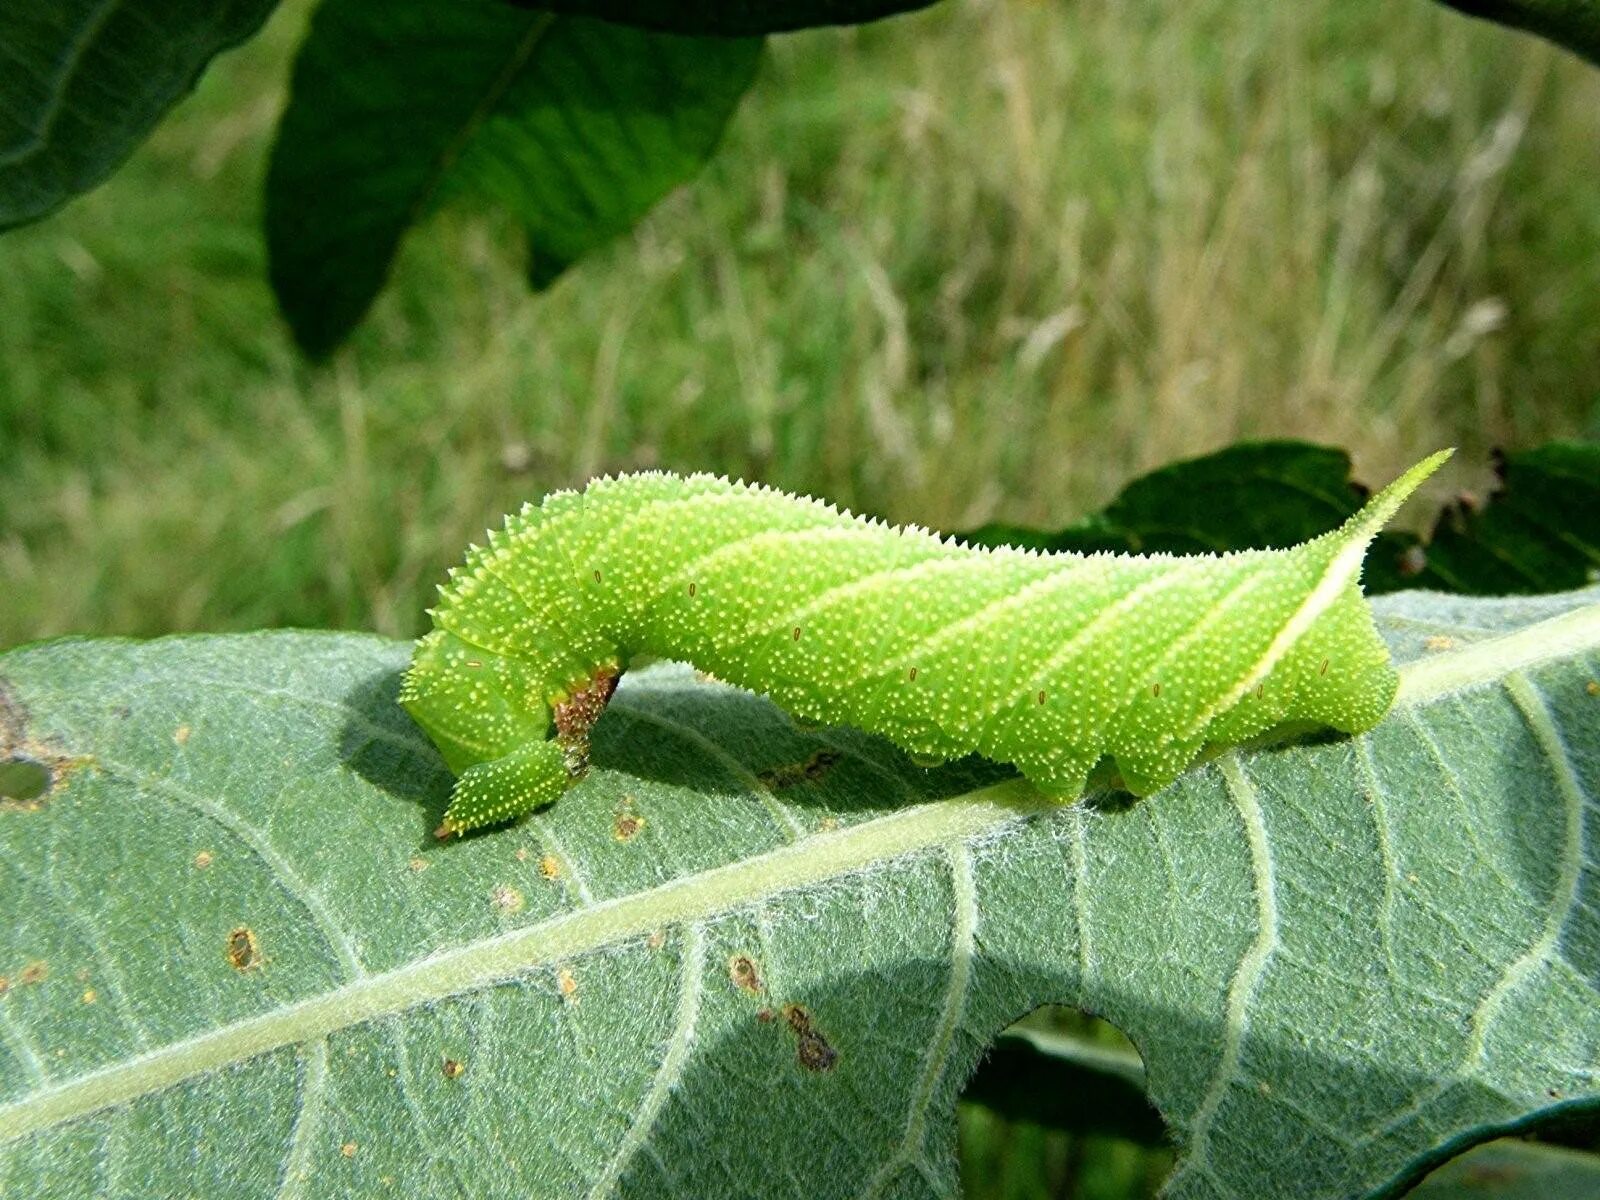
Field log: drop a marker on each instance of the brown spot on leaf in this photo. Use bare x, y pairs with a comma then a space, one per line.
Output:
34, 972
88, 996
764, 1015
5, 985
815, 1054
349, 1149
506, 899
798, 1018
792, 774
521, 854
628, 823
550, 866
568, 985
812, 1049
797, 633
1592, 687
452, 1067
912, 675
657, 939
417, 864
202, 860
180, 735
244, 953
1438, 642
745, 974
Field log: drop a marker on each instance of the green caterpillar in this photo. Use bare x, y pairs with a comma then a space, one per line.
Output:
1051, 662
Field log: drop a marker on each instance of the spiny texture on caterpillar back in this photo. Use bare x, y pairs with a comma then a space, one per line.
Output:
1047, 661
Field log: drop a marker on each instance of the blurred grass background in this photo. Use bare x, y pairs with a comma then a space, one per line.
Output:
986, 261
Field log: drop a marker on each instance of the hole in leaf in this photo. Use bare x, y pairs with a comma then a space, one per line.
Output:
23, 779
1058, 1108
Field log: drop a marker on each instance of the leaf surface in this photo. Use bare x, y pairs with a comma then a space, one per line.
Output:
749, 958
576, 126
84, 81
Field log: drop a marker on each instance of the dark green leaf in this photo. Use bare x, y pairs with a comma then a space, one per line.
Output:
576, 126
731, 17
1538, 532
1513, 1170
1574, 24
1249, 495
83, 81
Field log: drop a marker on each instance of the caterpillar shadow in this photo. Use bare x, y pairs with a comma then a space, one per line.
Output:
384, 746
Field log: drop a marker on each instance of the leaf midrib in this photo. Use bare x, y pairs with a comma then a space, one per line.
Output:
696, 897
483, 963
522, 53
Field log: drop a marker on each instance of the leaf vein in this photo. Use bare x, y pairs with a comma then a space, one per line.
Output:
671, 1068
779, 810
313, 1088
962, 945
1251, 967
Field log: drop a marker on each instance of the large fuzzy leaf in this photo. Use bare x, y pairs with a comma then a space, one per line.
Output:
83, 82
575, 125
748, 958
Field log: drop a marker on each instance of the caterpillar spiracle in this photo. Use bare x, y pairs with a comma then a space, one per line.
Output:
1051, 662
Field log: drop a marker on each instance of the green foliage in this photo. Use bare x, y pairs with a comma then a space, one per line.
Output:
1538, 531
1574, 24
84, 81
1511, 1170
730, 17
236, 956
990, 286
576, 126
579, 127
